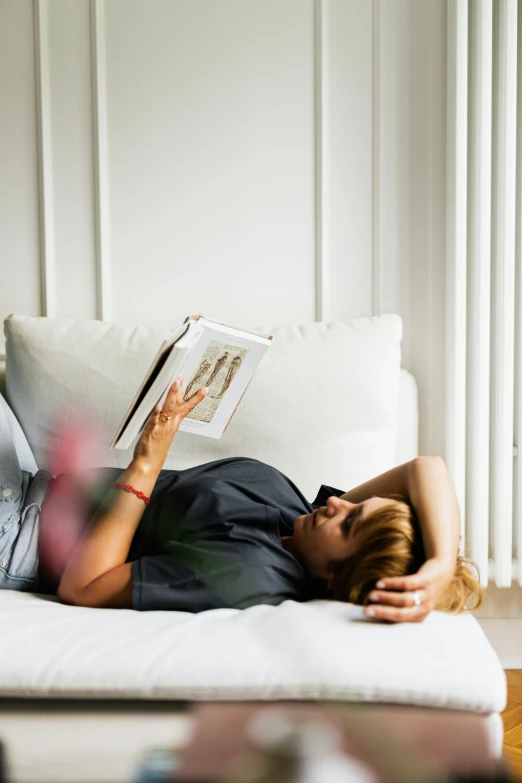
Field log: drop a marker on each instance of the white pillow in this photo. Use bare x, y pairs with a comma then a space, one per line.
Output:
322, 406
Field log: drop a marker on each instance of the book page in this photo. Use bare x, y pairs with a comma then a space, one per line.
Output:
217, 368
225, 362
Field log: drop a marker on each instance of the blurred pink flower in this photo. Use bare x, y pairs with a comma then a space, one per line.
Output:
76, 449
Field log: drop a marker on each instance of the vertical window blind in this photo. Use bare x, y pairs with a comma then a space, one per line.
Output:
484, 285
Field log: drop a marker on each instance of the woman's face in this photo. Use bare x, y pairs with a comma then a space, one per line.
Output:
328, 535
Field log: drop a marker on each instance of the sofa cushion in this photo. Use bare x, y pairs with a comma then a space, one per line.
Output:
23, 450
313, 650
322, 406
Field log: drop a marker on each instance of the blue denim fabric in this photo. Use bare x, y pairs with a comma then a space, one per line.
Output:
20, 504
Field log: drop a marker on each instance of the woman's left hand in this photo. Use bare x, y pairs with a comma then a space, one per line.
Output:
156, 437
394, 600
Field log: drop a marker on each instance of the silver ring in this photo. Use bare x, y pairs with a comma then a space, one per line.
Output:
416, 599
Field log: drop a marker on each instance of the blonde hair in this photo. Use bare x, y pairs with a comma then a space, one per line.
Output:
390, 544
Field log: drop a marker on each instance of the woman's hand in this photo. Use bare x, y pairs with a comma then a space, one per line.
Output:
394, 600
154, 442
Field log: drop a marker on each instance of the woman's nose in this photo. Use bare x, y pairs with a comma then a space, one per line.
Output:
337, 502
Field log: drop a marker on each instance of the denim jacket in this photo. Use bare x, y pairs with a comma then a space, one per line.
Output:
22, 489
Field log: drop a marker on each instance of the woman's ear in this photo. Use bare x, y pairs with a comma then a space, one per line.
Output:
332, 573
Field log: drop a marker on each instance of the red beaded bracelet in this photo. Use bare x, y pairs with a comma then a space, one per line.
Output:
128, 488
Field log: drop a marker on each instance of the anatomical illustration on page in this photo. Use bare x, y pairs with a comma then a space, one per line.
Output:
216, 369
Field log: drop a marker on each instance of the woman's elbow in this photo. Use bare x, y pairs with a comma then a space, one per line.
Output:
112, 590
66, 596
429, 458
73, 597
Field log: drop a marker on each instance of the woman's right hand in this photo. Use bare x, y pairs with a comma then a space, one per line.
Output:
393, 601
155, 440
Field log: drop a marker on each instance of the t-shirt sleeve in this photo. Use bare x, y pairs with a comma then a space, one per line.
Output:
325, 491
163, 581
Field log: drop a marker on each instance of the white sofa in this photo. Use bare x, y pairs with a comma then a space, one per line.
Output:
329, 404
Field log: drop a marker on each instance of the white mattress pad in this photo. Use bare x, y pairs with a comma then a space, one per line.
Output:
313, 650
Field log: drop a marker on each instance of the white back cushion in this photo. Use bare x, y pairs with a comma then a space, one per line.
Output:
322, 407
24, 454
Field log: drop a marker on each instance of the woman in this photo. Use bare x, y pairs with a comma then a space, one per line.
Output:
237, 532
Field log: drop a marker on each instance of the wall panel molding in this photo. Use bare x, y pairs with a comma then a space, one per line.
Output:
321, 277
100, 167
44, 158
377, 298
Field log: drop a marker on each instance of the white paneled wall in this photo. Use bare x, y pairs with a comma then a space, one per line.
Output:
266, 161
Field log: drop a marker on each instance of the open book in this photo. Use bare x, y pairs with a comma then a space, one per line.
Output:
205, 353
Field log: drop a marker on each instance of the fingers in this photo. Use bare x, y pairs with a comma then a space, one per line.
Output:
412, 582
179, 393
414, 614
172, 400
174, 404
153, 418
171, 404
193, 401
395, 599
397, 607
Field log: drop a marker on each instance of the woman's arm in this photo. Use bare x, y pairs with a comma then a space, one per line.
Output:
424, 483
395, 480
97, 574
433, 497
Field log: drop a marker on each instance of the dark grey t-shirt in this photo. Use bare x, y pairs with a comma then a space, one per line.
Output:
211, 538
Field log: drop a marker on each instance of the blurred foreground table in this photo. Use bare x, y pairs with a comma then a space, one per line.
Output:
389, 742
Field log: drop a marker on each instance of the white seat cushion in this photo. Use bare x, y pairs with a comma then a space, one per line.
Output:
314, 650
322, 407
